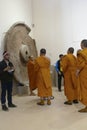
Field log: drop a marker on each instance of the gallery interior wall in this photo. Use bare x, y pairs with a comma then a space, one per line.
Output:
56, 24
12, 11
59, 24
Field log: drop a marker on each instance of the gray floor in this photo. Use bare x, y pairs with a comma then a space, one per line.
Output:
29, 116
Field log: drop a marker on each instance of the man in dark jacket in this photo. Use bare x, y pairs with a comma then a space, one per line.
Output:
59, 71
6, 77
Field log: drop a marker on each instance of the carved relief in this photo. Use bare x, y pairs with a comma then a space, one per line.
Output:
20, 46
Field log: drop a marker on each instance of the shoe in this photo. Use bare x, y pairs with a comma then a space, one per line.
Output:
68, 103
12, 105
59, 90
41, 103
4, 108
48, 102
75, 101
83, 110
52, 97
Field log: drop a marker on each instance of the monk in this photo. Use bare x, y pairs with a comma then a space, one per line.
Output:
82, 74
31, 75
68, 64
43, 81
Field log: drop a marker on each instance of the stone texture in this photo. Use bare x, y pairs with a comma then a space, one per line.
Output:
20, 46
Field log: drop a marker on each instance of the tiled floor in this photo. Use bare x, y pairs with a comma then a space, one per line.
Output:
29, 116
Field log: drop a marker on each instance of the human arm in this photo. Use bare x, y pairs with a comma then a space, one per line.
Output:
64, 63
56, 66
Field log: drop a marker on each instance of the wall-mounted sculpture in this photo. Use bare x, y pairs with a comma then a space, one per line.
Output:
21, 46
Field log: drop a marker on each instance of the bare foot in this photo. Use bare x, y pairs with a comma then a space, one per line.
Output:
32, 94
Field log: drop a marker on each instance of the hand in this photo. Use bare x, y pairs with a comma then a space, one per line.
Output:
12, 68
7, 68
77, 72
59, 73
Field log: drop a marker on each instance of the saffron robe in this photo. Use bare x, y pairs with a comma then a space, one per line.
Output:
31, 75
68, 64
82, 76
43, 77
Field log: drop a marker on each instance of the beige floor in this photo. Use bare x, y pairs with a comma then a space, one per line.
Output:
29, 116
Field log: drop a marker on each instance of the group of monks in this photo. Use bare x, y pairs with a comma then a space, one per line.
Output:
75, 76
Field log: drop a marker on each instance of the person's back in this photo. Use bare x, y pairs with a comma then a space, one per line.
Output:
44, 85
44, 64
82, 74
69, 69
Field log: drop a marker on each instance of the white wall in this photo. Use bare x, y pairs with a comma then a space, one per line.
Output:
44, 29
12, 11
59, 24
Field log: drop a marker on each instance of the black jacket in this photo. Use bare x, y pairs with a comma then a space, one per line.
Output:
5, 76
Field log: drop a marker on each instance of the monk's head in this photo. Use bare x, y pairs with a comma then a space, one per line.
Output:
78, 51
70, 50
43, 51
60, 56
84, 43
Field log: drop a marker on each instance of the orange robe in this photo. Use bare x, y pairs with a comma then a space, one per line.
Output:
43, 77
82, 77
31, 75
68, 64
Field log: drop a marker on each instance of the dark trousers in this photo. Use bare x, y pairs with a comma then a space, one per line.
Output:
6, 88
59, 81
